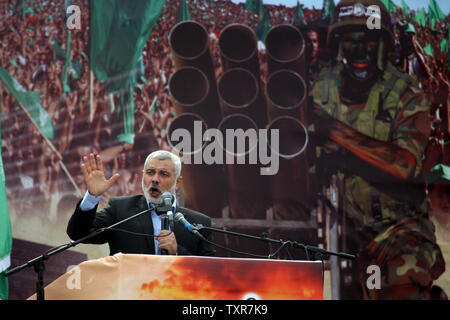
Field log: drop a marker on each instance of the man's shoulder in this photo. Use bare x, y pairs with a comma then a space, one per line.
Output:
192, 213
127, 199
405, 89
407, 79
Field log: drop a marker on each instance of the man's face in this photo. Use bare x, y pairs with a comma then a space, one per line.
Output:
159, 177
359, 51
312, 45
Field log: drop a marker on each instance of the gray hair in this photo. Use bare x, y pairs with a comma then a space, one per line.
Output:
164, 155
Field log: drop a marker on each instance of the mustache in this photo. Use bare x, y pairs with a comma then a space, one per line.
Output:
154, 186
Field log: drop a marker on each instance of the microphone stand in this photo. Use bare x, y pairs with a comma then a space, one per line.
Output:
38, 262
164, 226
317, 252
162, 211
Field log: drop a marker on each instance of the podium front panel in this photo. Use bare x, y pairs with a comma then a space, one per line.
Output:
150, 277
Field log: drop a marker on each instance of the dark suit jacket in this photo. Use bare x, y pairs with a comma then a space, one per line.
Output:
82, 223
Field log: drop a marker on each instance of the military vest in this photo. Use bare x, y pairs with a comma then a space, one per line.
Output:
367, 205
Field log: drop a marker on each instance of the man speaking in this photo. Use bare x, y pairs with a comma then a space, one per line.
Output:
143, 234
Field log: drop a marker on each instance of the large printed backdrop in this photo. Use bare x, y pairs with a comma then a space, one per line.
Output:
55, 110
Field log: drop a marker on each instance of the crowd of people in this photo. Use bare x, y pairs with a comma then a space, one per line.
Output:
40, 171
44, 171
433, 73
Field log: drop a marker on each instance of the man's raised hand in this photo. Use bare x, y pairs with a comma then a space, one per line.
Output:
94, 175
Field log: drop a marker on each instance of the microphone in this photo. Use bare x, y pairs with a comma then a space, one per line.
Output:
167, 199
179, 218
170, 219
164, 226
165, 209
166, 204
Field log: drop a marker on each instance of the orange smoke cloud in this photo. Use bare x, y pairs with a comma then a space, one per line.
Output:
217, 279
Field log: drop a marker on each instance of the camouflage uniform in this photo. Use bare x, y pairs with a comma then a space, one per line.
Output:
390, 218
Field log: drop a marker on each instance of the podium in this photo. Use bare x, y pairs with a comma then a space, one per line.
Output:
151, 277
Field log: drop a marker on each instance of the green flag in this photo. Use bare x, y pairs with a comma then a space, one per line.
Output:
260, 9
118, 33
31, 101
263, 27
434, 13
420, 18
389, 5
65, 72
405, 7
76, 67
59, 52
67, 63
23, 5
18, 6
444, 45
299, 11
255, 6
327, 9
433, 6
183, 12
429, 50
125, 117
14, 63
5, 232
431, 18
250, 5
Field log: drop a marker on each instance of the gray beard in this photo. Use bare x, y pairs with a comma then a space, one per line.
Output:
157, 200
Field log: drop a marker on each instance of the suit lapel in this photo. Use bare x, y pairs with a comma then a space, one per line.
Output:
145, 221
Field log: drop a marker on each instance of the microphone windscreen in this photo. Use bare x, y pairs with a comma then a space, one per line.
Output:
167, 198
178, 216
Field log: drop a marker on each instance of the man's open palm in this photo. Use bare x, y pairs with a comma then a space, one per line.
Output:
94, 175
